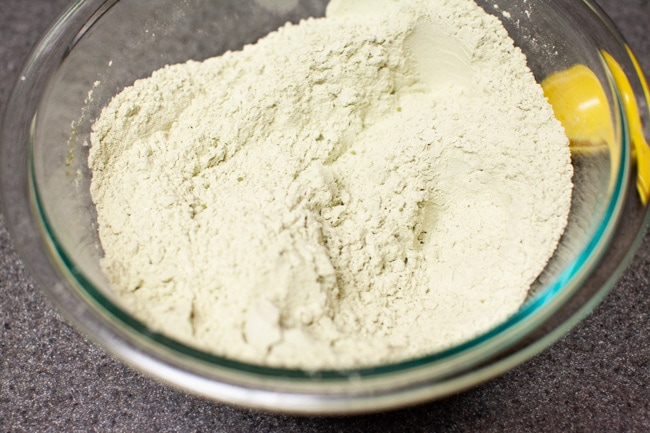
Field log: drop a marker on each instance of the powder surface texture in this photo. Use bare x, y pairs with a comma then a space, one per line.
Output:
349, 191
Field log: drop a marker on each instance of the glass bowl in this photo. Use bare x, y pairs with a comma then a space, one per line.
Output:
102, 46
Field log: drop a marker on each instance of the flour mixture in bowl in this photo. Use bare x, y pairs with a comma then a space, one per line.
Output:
354, 190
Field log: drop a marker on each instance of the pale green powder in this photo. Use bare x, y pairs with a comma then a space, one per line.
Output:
350, 191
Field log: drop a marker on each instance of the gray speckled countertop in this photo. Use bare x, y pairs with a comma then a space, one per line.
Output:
597, 378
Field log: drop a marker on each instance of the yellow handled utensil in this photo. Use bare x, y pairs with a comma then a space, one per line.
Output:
580, 104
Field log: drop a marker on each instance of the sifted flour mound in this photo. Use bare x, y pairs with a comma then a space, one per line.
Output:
360, 189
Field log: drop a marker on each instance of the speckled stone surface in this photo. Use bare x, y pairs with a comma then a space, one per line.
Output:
596, 379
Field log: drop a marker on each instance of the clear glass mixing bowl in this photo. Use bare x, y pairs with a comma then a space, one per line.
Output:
102, 46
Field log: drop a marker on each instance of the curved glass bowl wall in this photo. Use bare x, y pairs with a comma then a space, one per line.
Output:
97, 48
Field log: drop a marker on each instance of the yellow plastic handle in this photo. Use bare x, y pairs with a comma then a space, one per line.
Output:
641, 148
581, 105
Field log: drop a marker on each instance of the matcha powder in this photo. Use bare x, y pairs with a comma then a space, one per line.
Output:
353, 190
